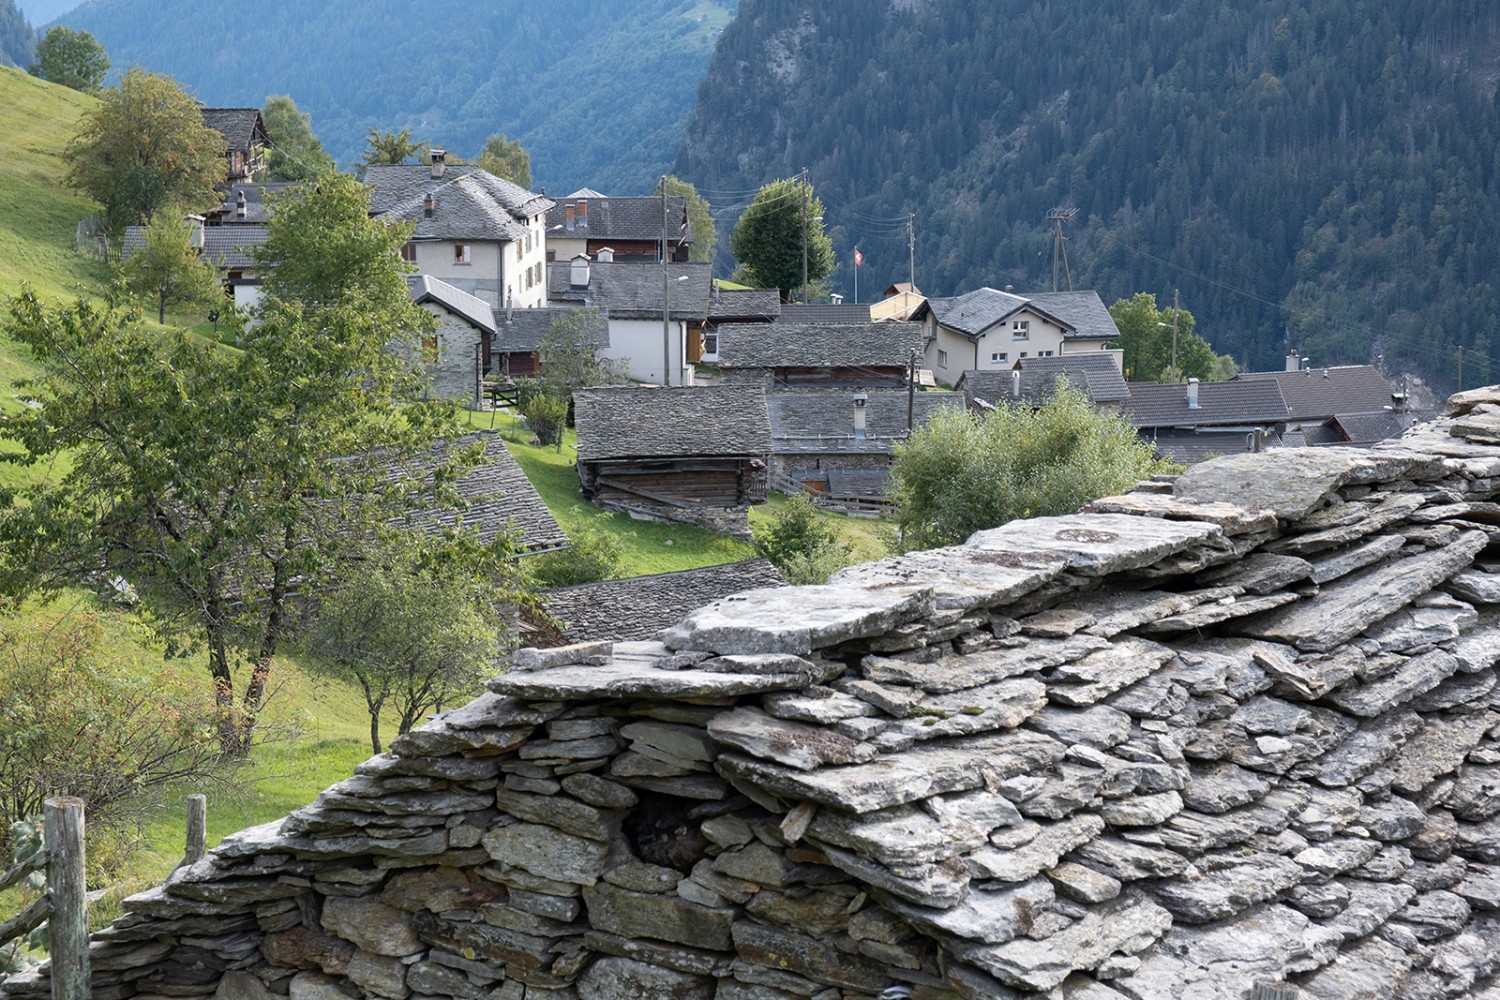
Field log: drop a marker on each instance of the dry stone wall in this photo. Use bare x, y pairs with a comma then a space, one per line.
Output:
1238, 729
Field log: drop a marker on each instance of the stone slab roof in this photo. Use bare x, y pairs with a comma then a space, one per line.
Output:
240, 127
824, 421
1186, 447
824, 312
629, 289
468, 203
523, 329
496, 496
258, 201
1320, 393
633, 422
1158, 404
744, 303
639, 607
1095, 375
1082, 315
425, 288
636, 217
818, 345
230, 247
1236, 731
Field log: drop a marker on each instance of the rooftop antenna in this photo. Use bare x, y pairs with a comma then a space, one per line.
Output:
1060, 244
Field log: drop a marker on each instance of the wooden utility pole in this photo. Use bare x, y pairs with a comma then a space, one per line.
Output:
1460, 369
911, 389
911, 249
803, 192
1176, 311
62, 826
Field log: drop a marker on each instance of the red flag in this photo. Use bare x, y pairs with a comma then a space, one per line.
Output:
859, 258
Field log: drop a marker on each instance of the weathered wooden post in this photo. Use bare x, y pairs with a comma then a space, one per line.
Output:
62, 819
197, 828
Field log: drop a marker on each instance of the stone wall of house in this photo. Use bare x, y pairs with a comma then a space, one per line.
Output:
1241, 729
453, 374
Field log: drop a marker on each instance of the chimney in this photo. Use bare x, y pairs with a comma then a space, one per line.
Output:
583, 213
429, 204
860, 399
836, 299
194, 225
439, 162
240, 209
579, 277
1192, 394
1015, 383
605, 255
568, 218
1293, 360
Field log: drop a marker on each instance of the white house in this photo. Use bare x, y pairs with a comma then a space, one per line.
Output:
986, 330
631, 294
475, 231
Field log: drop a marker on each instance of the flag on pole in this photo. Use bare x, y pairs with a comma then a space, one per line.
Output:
859, 258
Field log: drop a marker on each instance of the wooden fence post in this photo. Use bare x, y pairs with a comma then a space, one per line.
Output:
62, 820
197, 828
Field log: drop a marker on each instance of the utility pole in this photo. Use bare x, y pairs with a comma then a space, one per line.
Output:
1460, 369
1176, 311
666, 291
803, 190
911, 249
911, 389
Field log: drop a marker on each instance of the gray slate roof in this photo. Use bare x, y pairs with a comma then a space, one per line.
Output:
1319, 393
633, 289
824, 312
523, 329
496, 493
635, 422
1368, 428
1155, 404
744, 303
639, 607
425, 288
240, 127
818, 345
1188, 447
1082, 315
1093, 374
971, 313
470, 203
229, 247
636, 217
258, 201
808, 422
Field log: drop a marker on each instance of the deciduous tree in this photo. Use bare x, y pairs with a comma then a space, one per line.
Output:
70, 58
1146, 337
506, 158
700, 218
769, 237
145, 146
224, 484
391, 148
296, 154
961, 473
166, 267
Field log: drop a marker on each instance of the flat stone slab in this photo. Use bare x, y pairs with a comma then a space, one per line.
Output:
1234, 520
1100, 674
650, 677
960, 577
1354, 603
795, 744
1391, 510
1294, 482
797, 619
1099, 544
971, 670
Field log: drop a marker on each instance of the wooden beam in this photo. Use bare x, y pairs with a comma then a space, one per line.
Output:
615, 484
197, 830
27, 920
14, 876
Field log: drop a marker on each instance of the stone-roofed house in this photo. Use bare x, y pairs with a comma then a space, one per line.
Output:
494, 496
245, 141
818, 355
1185, 422
1344, 404
1232, 736
230, 248
519, 334
988, 329
476, 231
803, 314
640, 607
690, 454
631, 294
1033, 381
736, 305
586, 222
838, 446
456, 352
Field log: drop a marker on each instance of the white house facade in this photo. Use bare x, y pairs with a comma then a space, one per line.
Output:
987, 330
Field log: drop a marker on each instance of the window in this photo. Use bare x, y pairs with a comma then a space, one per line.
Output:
539, 272
519, 252
1021, 329
430, 348
942, 359
999, 356
1044, 354
409, 252
528, 241
528, 277
1023, 354
460, 253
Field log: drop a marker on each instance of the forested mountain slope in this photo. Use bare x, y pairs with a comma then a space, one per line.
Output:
1325, 173
596, 90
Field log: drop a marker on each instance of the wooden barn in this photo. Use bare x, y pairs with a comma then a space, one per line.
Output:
690, 454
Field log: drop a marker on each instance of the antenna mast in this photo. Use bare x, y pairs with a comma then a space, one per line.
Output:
1060, 244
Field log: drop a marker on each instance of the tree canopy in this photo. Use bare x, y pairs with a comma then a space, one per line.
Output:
391, 148
700, 218
508, 159
960, 473
768, 239
224, 484
296, 154
1146, 334
145, 146
168, 268
70, 58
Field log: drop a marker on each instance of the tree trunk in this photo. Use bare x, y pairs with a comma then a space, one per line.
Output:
218, 668
374, 702
161, 306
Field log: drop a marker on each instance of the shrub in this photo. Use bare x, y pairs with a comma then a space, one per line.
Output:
548, 416
592, 556
800, 544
